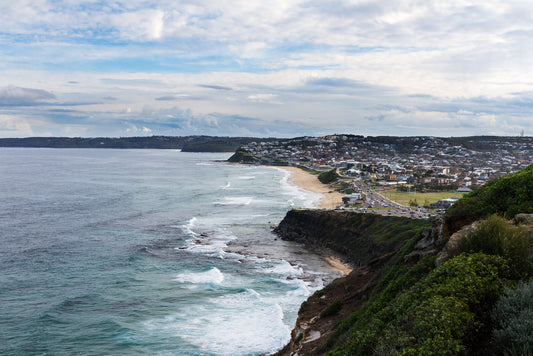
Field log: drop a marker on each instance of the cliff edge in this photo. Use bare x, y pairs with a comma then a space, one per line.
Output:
434, 288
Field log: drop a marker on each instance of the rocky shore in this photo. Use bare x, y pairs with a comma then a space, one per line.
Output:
367, 242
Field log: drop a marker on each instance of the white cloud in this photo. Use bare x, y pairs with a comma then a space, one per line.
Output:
329, 65
15, 96
263, 98
14, 127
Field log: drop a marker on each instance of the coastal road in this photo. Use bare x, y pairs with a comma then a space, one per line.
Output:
378, 204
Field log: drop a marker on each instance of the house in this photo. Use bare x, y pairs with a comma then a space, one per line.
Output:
464, 189
444, 203
351, 199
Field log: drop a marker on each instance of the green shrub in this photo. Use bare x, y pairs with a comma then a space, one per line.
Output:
508, 195
513, 320
332, 309
497, 236
328, 177
435, 315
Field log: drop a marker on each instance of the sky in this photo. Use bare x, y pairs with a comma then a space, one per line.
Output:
266, 68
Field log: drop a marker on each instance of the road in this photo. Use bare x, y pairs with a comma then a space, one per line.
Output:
378, 204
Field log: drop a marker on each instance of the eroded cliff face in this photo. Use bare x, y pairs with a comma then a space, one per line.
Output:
374, 243
314, 325
359, 238
367, 241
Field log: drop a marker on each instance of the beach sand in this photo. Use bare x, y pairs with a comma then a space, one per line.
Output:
331, 200
310, 182
339, 265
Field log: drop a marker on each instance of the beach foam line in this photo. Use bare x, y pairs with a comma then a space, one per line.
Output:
211, 276
329, 198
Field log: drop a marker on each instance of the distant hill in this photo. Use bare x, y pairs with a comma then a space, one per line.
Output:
186, 143
218, 144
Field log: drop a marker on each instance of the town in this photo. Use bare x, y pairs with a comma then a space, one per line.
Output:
379, 167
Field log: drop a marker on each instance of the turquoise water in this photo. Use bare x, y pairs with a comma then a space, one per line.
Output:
149, 252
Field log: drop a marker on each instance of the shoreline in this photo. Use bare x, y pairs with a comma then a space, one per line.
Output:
336, 263
331, 200
310, 182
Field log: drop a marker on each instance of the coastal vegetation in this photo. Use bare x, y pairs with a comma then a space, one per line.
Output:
507, 196
358, 237
408, 298
241, 156
328, 177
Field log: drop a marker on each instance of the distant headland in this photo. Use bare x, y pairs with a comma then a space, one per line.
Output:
185, 143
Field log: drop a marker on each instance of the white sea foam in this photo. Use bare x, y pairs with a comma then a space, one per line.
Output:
247, 177
213, 276
230, 325
284, 268
211, 244
235, 201
187, 228
307, 198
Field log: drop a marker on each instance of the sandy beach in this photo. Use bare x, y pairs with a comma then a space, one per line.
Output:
310, 182
339, 265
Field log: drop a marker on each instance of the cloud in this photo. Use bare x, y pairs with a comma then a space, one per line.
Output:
334, 82
132, 129
17, 96
216, 87
167, 98
416, 66
263, 98
13, 126
380, 117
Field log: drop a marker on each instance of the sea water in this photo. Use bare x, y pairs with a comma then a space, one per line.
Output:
147, 252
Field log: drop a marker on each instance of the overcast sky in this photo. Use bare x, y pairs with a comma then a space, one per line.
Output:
265, 68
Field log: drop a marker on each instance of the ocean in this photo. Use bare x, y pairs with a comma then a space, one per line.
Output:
147, 252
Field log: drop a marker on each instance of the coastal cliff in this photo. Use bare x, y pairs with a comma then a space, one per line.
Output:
420, 287
359, 238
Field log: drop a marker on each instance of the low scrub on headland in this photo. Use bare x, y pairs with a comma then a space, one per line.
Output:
433, 316
507, 196
478, 302
513, 320
328, 177
498, 236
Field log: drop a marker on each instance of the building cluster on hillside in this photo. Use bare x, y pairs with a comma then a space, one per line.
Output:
425, 162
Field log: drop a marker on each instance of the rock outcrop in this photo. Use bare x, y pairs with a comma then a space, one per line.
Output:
359, 238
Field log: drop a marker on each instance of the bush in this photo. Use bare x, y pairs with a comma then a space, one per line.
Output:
332, 309
508, 195
497, 236
328, 177
435, 315
513, 320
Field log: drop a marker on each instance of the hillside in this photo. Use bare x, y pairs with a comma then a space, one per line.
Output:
461, 288
186, 143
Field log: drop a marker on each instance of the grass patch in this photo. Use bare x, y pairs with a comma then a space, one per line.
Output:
332, 309
422, 199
